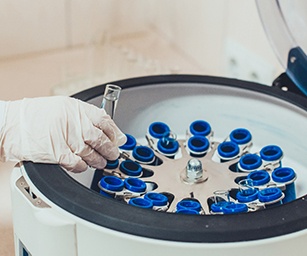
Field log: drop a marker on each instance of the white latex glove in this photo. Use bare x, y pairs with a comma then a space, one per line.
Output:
59, 130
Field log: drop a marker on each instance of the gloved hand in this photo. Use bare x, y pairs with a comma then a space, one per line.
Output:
59, 130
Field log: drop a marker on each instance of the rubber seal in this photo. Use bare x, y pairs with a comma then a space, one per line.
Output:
271, 153
168, 146
250, 162
240, 136
157, 199
283, 175
198, 144
200, 128
269, 194
130, 168
259, 178
130, 143
141, 202
159, 130
143, 154
135, 185
112, 183
228, 149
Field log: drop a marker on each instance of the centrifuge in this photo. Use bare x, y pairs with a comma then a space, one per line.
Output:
211, 166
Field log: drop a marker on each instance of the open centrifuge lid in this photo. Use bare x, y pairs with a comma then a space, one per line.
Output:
285, 24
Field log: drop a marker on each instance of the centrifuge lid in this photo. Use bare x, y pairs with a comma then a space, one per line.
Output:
285, 24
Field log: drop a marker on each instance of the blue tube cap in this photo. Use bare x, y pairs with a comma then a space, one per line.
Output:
283, 175
168, 146
259, 178
141, 203
157, 199
198, 144
130, 143
250, 162
135, 185
247, 196
271, 153
218, 207
228, 150
111, 183
189, 204
159, 130
235, 208
240, 136
270, 194
143, 154
200, 128
130, 168
112, 164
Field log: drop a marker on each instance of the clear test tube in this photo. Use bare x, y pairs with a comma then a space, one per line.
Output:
247, 192
221, 199
110, 98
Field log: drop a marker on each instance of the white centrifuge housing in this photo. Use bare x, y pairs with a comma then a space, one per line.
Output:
57, 213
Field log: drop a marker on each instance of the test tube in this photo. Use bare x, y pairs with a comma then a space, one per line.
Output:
271, 156
110, 98
221, 199
168, 146
286, 176
198, 146
247, 192
242, 137
249, 162
228, 150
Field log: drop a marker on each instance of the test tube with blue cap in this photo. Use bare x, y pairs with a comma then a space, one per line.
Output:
260, 178
270, 196
242, 137
247, 192
159, 201
200, 128
285, 176
110, 185
271, 156
221, 199
249, 162
188, 206
198, 145
227, 151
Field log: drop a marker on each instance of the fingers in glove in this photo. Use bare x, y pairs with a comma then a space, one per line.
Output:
99, 141
92, 157
100, 119
72, 162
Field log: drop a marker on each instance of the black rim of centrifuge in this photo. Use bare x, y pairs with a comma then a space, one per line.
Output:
64, 191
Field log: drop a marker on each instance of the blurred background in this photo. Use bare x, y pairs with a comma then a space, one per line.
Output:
65, 46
